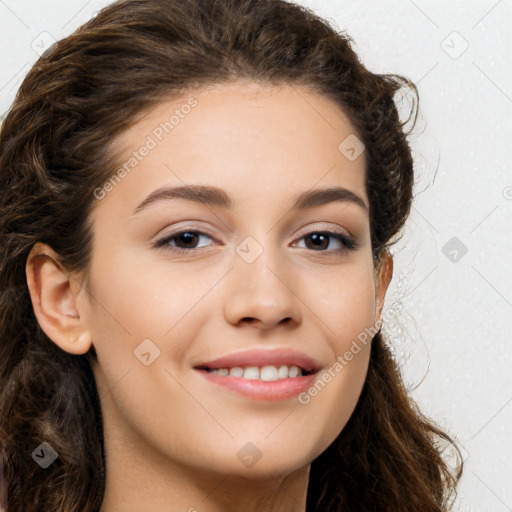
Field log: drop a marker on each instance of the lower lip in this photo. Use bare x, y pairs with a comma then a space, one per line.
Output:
270, 391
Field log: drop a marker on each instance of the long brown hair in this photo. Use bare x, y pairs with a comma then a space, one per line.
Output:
55, 151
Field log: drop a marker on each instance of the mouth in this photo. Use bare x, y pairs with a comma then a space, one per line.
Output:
268, 375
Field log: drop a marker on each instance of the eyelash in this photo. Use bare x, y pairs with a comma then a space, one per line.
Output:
347, 242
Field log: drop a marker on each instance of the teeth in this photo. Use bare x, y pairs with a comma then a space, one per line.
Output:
293, 371
251, 372
268, 373
265, 373
236, 371
283, 372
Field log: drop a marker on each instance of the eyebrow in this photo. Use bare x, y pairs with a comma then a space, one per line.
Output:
214, 196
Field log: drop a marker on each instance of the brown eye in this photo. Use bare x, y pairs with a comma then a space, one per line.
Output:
186, 239
183, 240
320, 241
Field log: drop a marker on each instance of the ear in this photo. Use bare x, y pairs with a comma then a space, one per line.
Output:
54, 294
384, 273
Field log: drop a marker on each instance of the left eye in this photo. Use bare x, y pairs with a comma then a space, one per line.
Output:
319, 239
186, 241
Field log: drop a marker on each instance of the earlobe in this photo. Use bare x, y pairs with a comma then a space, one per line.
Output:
54, 300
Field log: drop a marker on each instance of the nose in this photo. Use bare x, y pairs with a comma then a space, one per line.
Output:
261, 293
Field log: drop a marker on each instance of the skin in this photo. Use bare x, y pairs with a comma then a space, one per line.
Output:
171, 437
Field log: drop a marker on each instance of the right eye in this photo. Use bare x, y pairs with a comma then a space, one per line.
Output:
185, 240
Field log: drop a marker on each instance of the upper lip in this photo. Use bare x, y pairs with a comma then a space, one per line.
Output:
259, 357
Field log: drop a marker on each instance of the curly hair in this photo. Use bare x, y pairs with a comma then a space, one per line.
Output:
55, 150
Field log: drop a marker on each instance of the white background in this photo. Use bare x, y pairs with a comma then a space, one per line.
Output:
453, 337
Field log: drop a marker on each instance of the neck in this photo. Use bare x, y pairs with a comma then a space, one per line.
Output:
149, 489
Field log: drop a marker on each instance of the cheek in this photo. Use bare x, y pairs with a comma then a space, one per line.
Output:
134, 300
345, 302
346, 310
135, 311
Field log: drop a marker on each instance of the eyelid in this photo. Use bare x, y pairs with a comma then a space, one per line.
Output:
185, 225
326, 228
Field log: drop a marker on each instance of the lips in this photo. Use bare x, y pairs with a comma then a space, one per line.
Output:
261, 358
301, 371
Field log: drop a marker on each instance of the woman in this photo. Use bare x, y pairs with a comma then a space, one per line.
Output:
197, 205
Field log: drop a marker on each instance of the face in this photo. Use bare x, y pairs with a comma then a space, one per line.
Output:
249, 275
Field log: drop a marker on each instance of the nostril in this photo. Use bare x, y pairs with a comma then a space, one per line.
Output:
250, 320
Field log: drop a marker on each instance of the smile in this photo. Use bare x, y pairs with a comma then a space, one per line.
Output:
265, 373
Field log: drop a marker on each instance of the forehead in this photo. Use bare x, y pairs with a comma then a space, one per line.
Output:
253, 140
